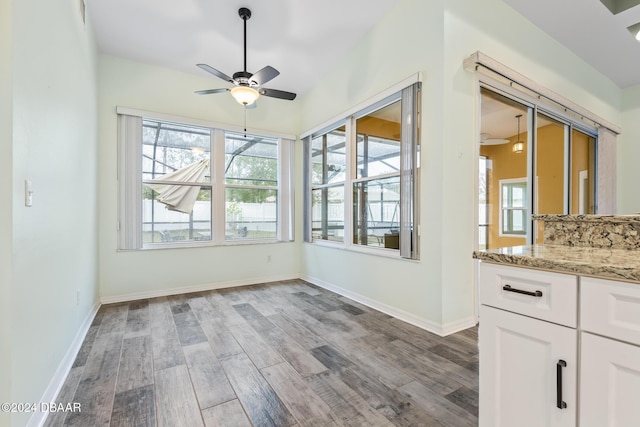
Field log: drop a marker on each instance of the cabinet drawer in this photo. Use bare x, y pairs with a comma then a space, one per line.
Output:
540, 294
610, 308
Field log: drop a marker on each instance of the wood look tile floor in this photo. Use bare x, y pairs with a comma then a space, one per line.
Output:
277, 354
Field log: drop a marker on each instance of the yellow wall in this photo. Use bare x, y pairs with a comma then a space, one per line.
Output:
505, 164
582, 158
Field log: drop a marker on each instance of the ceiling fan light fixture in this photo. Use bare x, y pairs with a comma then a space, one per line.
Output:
245, 95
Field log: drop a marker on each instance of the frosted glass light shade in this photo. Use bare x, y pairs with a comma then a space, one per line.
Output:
245, 95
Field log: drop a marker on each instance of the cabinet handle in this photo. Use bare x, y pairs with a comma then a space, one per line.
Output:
559, 402
508, 288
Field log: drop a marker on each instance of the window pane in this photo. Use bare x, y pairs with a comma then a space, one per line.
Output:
583, 155
376, 212
327, 214
378, 148
550, 165
168, 147
251, 161
328, 157
161, 225
251, 214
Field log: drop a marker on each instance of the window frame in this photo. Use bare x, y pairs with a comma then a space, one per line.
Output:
408, 93
130, 182
512, 182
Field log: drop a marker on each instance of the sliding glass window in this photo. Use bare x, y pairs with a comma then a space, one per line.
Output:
362, 176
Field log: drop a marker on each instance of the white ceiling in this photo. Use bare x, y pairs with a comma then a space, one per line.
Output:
300, 38
304, 38
592, 32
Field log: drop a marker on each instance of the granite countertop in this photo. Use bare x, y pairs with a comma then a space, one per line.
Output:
606, 263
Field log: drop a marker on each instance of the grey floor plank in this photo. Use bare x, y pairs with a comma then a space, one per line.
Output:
260, 401
134, 408
304, 404
221, 339
260, 353
138, 319
299, 333
96, 389
167, 350
176, 402
136, 364
446, 412
300, 359
209, 381
68, 390
191, 360
229, 414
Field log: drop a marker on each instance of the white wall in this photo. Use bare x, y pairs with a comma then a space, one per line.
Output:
434, 38
629, 153
131, 274
6, 148
54, 146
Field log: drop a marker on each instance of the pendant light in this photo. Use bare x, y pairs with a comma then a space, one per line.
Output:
518, 146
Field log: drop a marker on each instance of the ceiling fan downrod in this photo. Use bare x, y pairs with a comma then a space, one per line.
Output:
245, 14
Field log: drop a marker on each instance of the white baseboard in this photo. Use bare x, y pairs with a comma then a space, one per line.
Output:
405, 316
55, 385
194, 288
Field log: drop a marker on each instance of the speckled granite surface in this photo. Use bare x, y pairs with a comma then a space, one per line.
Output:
606, 263
595, 231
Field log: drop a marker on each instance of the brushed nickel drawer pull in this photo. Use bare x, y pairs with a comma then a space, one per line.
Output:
508, 288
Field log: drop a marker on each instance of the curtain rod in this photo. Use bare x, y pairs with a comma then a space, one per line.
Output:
478, 61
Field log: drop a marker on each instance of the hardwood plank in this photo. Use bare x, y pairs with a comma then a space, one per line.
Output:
261, 403
208, 378
347, 406
95, 392
136, 364
166, 347
203, 310
138, 319
428, 360
465, 398
260, 353
299, 358
300, 334
114, 319
447, 413
331, 358
226, 414
85, 348
67, 392
134, 408
222, 307
304, 404
316, 301
175, 399
221, 339
188, 328
253, 317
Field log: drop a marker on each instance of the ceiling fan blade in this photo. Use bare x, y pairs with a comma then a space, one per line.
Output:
264, 75
210, 91
274, 93
215, 72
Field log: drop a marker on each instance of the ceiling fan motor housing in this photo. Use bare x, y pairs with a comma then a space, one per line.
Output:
244, 78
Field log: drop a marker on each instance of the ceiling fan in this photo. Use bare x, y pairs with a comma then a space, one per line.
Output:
247, 85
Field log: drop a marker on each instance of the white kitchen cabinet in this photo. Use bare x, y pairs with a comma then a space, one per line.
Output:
610, 364
528, 347
609, 383
528, 371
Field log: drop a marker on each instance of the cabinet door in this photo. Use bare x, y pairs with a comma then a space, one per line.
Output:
609, 383
522, 377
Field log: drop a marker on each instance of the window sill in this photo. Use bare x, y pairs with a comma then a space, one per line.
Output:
207, 244
381, 252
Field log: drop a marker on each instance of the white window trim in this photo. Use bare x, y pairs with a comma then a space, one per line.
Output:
387, 97
500, 211
129, 223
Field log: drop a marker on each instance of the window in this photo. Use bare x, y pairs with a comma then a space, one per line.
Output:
194, 185
513, 207
361, 176
328, 173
